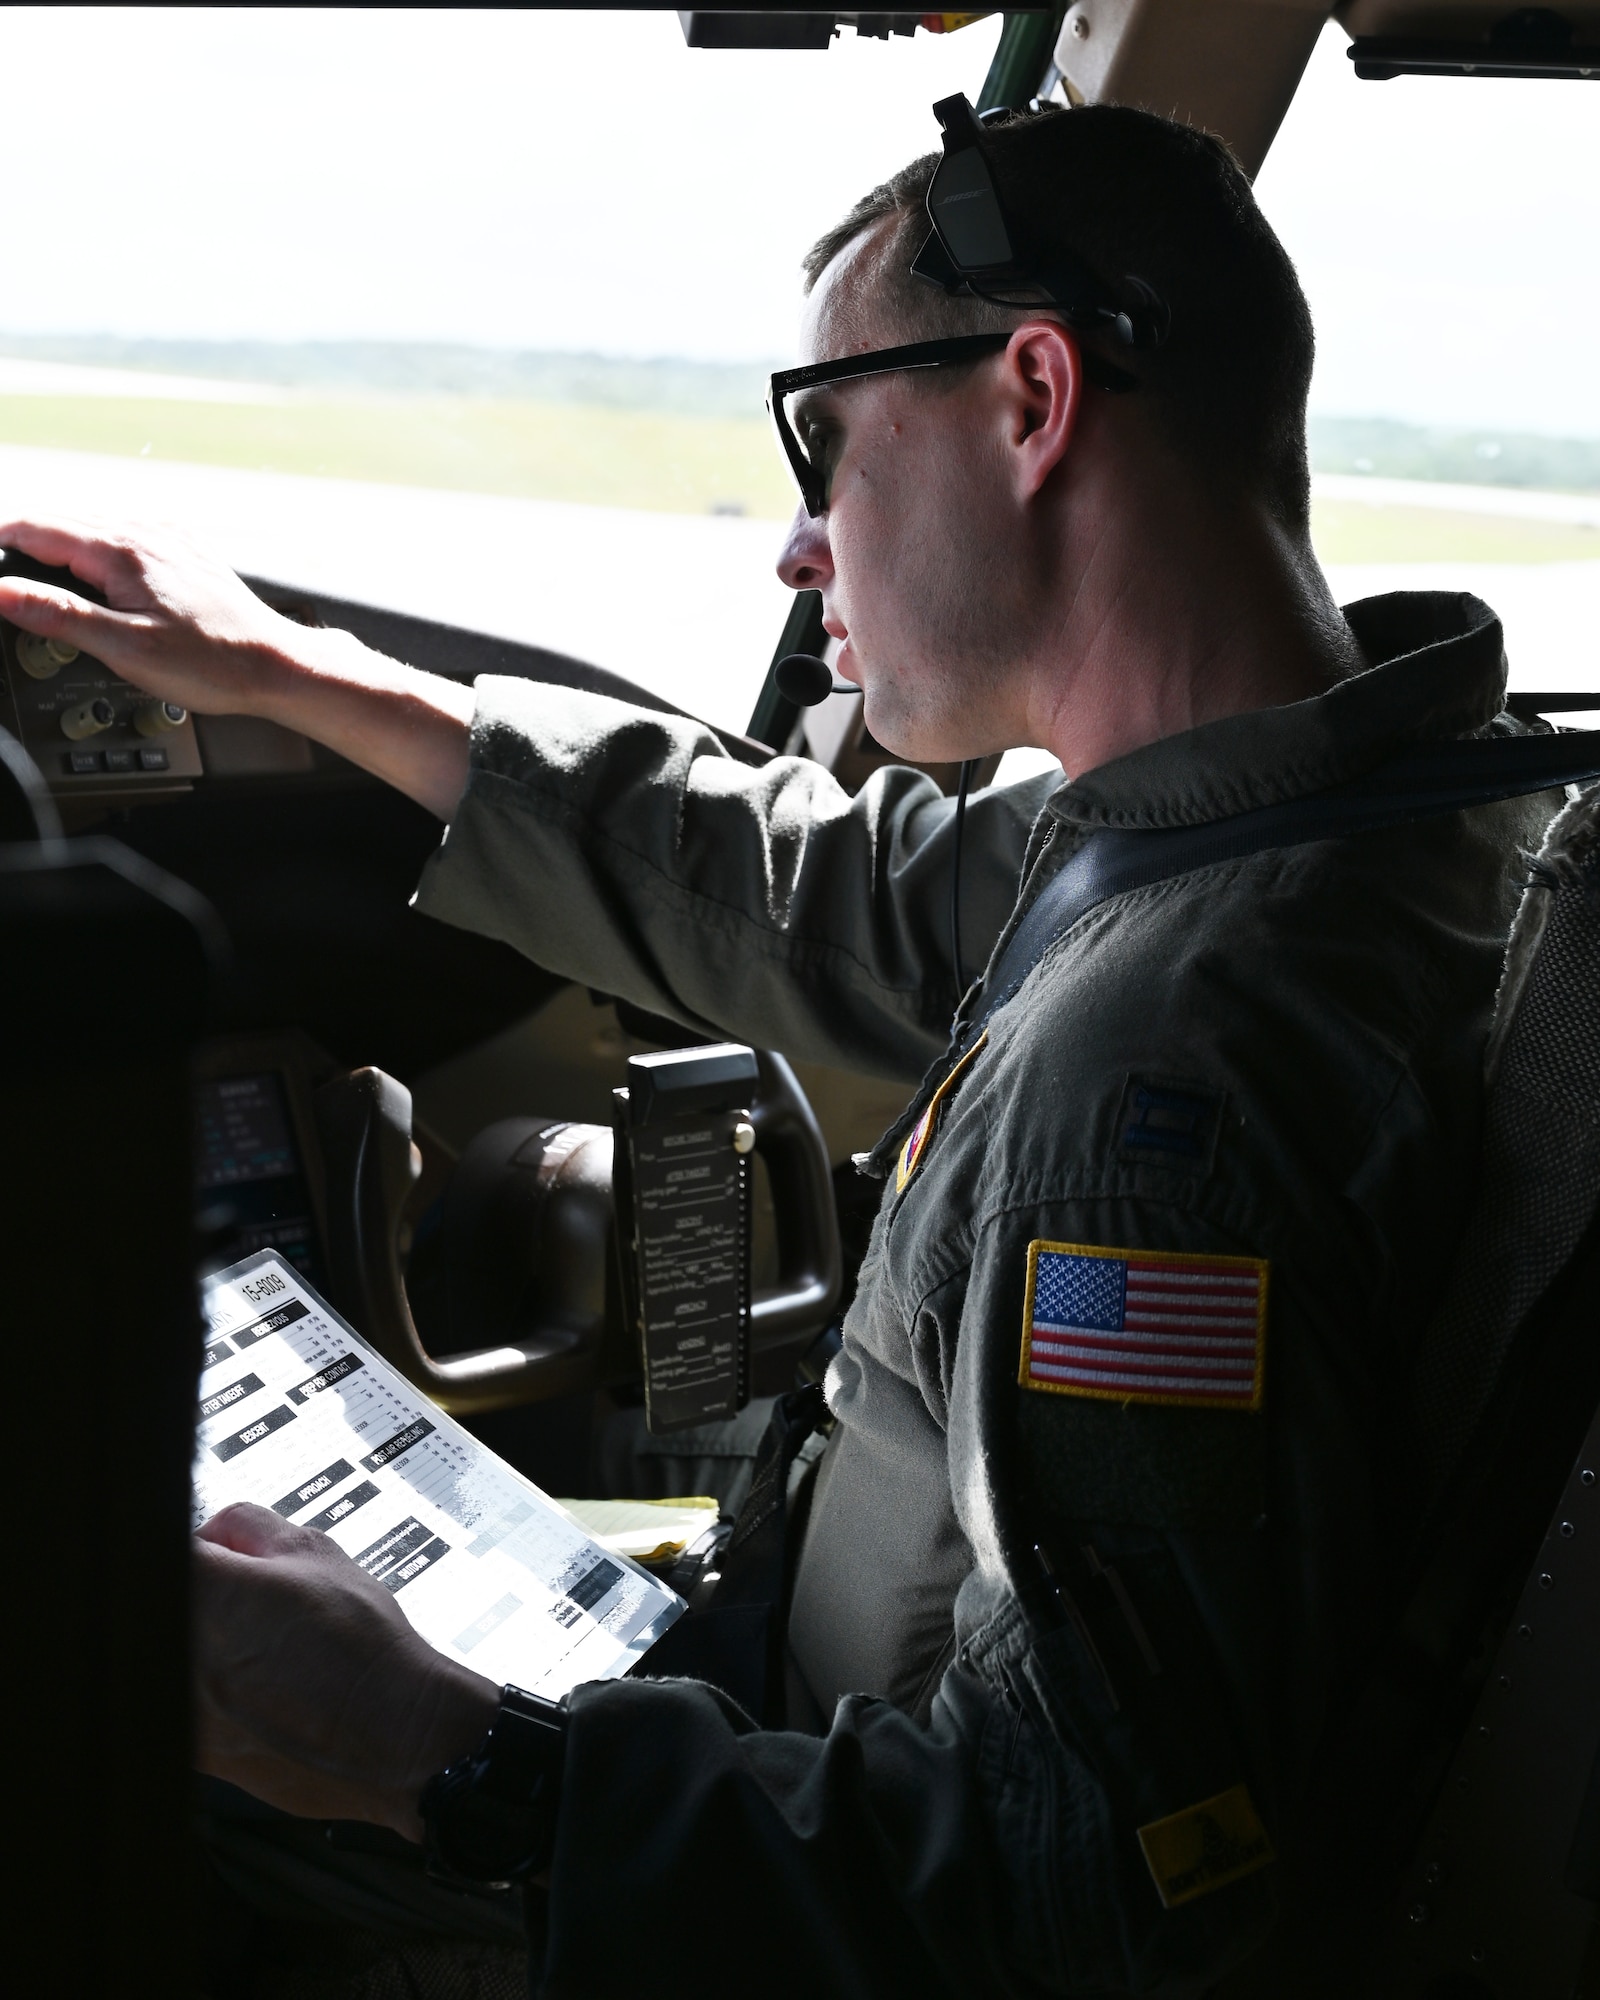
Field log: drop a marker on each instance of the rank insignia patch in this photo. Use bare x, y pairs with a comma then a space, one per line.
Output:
1167, 1124
1206, 1847
917, 1140
1144, 1326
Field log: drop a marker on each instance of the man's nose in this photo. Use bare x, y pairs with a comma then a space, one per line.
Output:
805, 562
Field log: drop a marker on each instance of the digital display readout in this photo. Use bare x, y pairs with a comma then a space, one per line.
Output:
244, 1131
248, 1171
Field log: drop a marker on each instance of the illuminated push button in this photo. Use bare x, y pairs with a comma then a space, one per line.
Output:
155, 718
43, 658
88, 718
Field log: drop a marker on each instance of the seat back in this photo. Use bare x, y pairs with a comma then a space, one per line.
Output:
1488, 1699
1540, 1185
1441, 1836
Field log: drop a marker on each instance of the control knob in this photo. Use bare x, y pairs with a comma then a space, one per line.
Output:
42, 659
155, 718
88, 718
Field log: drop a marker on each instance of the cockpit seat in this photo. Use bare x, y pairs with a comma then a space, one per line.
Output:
1478, 1727
1540, 1187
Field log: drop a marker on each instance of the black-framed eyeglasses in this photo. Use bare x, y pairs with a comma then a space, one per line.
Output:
810, 439
969, 249
810, 436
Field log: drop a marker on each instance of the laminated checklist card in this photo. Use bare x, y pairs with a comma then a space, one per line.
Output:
299, 1414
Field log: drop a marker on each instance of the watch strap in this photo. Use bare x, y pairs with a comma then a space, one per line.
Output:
490, 1817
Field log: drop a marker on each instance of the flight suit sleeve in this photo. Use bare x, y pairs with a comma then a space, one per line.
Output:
626, 849
997, 1851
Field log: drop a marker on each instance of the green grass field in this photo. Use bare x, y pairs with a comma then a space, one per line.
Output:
545, 451
1350, 531
658, 460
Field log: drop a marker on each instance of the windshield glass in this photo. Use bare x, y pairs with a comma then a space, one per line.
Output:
1442, 229
471, 314
467, 314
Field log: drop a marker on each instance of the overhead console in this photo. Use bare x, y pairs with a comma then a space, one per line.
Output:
90, 733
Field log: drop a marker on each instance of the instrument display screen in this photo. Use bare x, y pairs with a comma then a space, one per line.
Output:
249, 1173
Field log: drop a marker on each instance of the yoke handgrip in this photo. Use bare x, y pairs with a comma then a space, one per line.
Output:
810, 1262
364, 1120
371, 1163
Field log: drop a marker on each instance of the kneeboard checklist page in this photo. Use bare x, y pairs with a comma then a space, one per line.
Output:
299, 1414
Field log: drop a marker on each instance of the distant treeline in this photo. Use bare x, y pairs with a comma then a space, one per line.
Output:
1376, 445
1478, 458
424, 368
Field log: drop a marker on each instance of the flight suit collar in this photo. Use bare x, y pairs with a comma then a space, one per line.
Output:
1437, 671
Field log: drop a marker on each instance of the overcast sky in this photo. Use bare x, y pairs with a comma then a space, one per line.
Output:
584, 181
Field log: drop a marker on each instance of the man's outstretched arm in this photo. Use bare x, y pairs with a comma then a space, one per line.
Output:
616, 846
180, 625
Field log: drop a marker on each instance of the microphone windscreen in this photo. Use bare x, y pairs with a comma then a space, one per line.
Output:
804, 679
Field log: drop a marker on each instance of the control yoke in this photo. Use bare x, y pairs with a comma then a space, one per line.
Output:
575, 1335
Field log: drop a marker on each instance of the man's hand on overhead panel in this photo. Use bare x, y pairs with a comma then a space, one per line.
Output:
180, 625
176, 622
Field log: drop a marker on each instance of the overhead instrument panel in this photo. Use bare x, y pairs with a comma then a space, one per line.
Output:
90, 732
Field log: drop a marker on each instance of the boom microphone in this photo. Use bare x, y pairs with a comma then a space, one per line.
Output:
805, 680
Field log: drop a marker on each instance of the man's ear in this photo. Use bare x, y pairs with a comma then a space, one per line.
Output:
1043, 375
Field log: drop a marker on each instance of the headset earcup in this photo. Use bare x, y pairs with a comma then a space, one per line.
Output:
1146, 323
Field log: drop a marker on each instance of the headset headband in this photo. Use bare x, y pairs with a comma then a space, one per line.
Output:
970, 248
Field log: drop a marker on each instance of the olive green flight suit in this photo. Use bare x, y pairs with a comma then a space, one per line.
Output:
1069, 1643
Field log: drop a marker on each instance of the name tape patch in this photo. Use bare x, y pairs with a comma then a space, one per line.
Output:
1205, 1847
1144, 1326
917, 1140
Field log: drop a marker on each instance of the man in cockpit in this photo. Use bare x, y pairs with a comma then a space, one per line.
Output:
1122, 1424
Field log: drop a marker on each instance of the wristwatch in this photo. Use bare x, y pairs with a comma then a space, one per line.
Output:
491, 1818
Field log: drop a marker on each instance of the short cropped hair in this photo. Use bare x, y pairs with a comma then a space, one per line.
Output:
1135, 195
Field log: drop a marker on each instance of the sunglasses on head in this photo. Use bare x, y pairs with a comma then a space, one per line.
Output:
969, 250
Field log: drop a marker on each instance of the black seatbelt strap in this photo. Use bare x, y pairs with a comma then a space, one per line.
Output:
737, 1642
1421, 784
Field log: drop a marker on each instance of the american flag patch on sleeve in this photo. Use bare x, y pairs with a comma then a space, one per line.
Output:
1144, 1326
